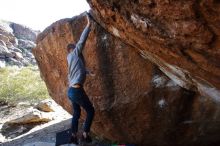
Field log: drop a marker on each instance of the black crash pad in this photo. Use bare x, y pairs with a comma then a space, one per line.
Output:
63, 137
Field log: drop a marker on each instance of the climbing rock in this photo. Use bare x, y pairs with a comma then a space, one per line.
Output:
134, 101
181, 37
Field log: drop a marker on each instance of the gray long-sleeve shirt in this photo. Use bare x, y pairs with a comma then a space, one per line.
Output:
76, 64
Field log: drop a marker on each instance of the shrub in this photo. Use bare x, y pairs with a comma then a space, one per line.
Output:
21, 84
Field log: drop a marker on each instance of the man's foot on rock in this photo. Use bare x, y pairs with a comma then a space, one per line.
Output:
86, 138
73, 139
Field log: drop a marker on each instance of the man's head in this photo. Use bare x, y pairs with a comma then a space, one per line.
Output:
70, 47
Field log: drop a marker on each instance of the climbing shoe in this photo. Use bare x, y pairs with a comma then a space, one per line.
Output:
73, 140
86, 139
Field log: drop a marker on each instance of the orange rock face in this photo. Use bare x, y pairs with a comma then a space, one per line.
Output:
134, 101
181, 37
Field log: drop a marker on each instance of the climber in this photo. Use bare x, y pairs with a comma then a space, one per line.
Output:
76, 94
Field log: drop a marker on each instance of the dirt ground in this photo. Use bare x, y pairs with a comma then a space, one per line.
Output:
43, 134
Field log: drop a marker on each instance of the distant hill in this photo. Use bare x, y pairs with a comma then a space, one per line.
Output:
16, 43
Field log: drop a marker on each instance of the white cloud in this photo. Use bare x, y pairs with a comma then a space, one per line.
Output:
39, 14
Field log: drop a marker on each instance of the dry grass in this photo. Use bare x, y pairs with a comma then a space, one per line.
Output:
21, 84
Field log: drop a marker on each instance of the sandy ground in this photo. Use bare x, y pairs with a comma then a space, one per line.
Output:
40, 135
45, 133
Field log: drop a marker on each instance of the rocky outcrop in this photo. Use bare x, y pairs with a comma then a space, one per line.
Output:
181, 37
26, 122
23, 32
16, 42
32, 116
46, 105
135, 102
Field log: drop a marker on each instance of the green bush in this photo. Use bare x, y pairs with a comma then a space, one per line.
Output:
21, 84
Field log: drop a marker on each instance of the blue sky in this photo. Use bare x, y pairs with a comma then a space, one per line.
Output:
38, 14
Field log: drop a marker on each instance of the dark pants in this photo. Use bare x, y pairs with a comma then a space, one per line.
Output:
79, 98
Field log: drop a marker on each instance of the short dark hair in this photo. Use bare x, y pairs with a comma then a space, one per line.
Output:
70, 46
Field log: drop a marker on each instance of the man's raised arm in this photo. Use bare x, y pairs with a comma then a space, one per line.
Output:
81, 43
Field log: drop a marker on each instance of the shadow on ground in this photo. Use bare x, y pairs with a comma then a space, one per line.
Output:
46, 136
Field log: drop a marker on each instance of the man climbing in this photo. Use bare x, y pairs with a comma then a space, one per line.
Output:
76, 93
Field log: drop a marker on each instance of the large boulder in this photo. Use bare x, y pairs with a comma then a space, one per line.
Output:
134, 101
46, 105
181, 37
31, 116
